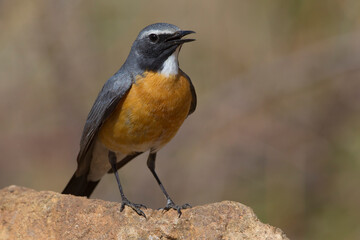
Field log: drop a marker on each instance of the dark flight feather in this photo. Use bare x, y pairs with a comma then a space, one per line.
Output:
109, 97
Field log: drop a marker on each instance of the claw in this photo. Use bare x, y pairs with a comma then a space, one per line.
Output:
171, 205
136, 207
185, 206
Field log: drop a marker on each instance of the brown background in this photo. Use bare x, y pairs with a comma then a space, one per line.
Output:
278, 120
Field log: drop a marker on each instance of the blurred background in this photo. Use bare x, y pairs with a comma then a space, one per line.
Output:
277, 125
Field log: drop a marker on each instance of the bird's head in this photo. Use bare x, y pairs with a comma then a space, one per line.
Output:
157, 47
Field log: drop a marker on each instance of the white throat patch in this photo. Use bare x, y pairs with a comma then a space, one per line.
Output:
171, 65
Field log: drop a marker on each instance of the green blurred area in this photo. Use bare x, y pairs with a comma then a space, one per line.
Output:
278, 120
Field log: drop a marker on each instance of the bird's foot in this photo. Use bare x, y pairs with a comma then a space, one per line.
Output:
136, 207
171, 205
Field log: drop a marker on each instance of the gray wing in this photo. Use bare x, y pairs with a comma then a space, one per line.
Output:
193, 94
112, 92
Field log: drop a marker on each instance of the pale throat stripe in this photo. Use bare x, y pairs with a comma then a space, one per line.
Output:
171, 65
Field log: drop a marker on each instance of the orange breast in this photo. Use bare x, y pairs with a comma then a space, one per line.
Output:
149, 115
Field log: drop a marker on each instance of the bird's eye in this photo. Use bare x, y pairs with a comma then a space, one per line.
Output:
153, 37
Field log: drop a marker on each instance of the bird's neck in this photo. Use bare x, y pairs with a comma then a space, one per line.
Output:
171, 64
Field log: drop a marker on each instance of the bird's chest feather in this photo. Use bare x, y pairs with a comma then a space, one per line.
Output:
150, 114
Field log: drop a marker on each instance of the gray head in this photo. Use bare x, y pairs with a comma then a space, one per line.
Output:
157, 46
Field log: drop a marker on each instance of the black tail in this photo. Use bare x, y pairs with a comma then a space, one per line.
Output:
80, 186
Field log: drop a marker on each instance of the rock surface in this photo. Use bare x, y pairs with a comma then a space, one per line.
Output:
28, 214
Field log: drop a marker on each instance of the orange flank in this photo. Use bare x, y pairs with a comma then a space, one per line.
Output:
149, 115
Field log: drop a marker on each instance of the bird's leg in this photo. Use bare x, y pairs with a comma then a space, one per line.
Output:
124, 200
169, 203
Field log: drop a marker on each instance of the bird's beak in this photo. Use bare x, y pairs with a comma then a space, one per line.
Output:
176, 38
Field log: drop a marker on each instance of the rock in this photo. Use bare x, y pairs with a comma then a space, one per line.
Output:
28, 214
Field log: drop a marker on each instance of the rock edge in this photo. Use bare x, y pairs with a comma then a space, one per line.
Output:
29, 214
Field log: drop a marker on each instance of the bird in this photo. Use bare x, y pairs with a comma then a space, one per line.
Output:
139, 109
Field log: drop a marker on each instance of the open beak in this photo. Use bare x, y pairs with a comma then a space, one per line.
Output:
176, 38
